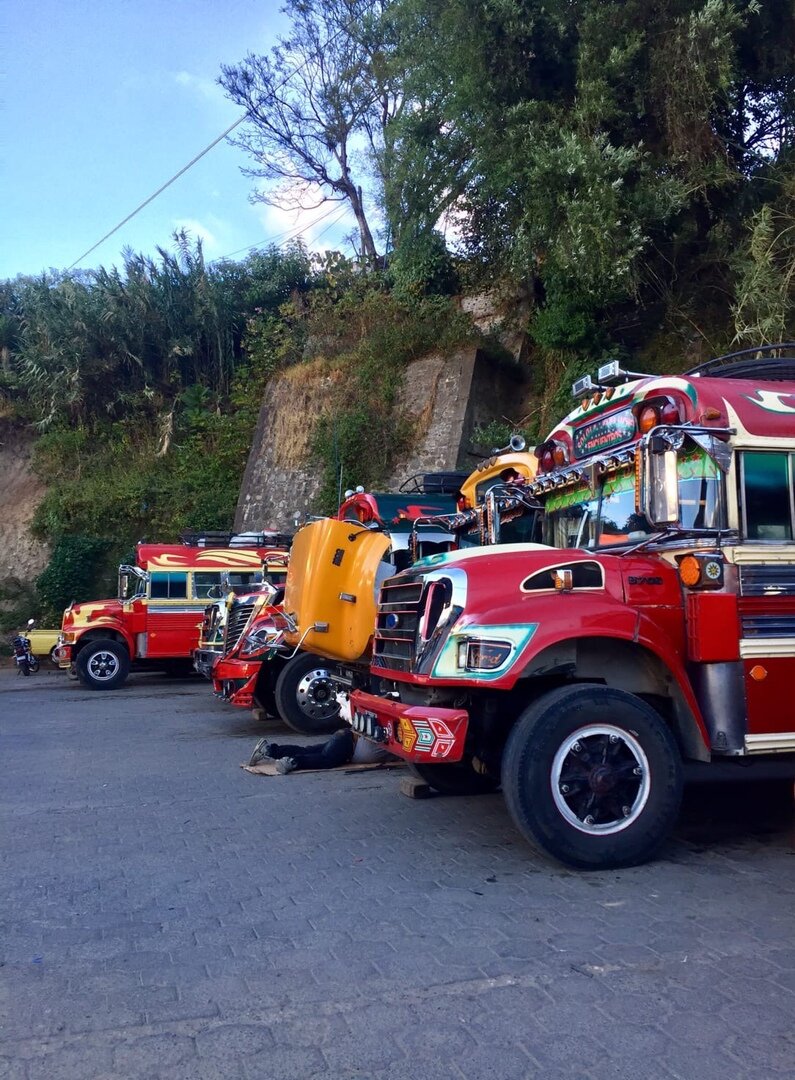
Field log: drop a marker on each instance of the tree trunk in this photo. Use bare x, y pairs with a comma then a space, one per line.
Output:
369, 253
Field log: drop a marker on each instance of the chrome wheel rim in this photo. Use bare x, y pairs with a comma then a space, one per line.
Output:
316, 695
102, 666
600, 779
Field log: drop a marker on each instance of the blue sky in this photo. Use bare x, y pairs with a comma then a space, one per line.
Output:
101, 103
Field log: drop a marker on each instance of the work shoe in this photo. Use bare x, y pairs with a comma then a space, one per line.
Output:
261, 752
286, 764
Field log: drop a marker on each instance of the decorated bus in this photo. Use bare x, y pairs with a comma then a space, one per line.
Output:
154, 620
652, 626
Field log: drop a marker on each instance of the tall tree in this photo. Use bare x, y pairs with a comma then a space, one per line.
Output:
318, 105
616, 146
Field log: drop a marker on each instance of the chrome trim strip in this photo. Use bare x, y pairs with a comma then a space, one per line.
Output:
759, 648
189, 609
771, 742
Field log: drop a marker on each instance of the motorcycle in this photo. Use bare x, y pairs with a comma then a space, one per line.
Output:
26, 662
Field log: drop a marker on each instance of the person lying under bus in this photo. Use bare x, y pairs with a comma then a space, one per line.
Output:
343, 748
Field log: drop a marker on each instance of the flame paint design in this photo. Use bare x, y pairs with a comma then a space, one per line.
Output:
210, 557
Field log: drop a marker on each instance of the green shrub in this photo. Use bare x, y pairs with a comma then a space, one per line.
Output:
423, 266
18, 603
73, 572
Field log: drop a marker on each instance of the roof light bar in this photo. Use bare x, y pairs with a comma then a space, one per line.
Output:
612, 374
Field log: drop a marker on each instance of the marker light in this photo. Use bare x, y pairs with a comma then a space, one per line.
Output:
669, 413
701, 571
649, 418
690, 571
560, 456
563, 580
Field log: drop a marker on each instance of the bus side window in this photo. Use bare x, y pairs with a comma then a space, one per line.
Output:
203, 581
168, 586
767, 495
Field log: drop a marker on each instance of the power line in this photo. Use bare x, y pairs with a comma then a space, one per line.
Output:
283, 237
159, 191
331, 224
200, 155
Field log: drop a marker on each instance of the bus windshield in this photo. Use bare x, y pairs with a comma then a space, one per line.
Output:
581, 518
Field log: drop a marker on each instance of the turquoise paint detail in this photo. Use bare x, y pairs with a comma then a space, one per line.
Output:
518, 634
434, 560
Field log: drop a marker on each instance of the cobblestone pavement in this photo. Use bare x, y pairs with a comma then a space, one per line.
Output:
167, 914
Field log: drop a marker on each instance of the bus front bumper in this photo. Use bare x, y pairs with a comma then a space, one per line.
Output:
422, 734
236, 681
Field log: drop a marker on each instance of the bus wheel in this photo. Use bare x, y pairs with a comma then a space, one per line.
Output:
456, 779
593, 776
103, 664
306, 696
265, 691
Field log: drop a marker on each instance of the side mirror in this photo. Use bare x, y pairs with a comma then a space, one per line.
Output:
657, 483
31, 623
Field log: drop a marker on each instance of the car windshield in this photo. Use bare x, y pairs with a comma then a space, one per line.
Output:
579, 518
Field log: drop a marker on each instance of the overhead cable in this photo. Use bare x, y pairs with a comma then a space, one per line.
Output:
200, 155
159, 191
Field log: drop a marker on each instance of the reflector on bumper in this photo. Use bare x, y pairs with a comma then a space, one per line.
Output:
414, 732
63, 655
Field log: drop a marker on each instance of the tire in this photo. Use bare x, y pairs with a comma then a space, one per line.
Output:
624, 774
265, 691
51, 656
305, 695
25, 669
103, 664
33, 664
457, 779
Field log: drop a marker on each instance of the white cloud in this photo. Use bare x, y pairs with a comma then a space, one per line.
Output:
200, 85
303, 214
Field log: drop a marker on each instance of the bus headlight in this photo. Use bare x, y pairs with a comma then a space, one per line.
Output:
481, 654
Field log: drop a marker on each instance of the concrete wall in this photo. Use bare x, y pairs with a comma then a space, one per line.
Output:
446, 395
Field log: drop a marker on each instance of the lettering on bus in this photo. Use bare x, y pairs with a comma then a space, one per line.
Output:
603, 433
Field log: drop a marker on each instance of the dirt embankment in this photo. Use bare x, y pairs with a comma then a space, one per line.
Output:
21, 556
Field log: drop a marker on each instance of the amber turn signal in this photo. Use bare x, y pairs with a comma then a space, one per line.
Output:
648, 419
690, 571
563, 580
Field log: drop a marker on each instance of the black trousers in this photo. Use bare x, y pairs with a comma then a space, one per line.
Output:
338, 750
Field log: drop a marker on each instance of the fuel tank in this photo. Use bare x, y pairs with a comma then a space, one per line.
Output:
335, 571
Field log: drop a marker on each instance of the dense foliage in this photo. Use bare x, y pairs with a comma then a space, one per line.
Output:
631, 166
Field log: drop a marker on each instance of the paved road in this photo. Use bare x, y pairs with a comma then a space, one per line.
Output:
167, 914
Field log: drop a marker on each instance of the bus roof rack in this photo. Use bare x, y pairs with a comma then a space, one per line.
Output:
434, 483
218, 538
760, 362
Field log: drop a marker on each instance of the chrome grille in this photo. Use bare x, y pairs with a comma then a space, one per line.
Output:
767, 580
769, 626
399, 610
236, 623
